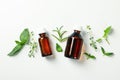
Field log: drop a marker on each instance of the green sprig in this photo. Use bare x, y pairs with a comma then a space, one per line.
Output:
89, 56
105, 35
33, 46
60, 33
92, 40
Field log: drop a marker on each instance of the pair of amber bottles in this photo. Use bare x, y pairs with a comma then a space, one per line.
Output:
73, 47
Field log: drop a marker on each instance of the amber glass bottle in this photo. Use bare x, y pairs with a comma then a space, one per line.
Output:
74, 45
44, 45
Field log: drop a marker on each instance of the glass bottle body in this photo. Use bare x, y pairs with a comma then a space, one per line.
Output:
44, 45
74, 45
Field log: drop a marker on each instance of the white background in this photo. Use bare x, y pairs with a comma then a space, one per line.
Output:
15, 15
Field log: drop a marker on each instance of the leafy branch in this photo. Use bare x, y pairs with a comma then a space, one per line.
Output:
91, 38
60, 34
105, 35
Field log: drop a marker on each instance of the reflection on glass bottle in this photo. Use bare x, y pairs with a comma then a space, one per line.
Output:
44, 45
74, 45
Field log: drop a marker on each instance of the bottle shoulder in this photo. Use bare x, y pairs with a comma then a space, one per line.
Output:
42, 38
75, 35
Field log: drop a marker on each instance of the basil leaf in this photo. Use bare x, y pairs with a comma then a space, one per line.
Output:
18, 42
25, 36
15, 50
58, 48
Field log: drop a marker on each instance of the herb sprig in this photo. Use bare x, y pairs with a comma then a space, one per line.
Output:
91, 38
93, 42
60, 33
33, 45
105, 35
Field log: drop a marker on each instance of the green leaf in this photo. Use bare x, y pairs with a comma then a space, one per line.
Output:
99, 40
25, 36
62, 33
58, 48
64, 39
109, 54
106, 32
60, 28
18, 42
89, 56
54, 30
107, 41
56, 37
106, 53
102, 49
16, 50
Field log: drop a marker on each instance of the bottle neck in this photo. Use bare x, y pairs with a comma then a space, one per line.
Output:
77, 31
42, 34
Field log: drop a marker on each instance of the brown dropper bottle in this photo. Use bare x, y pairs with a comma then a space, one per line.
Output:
74, 45
44, 45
